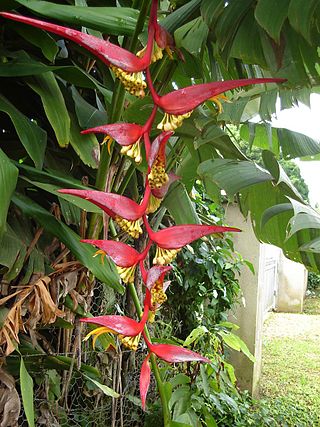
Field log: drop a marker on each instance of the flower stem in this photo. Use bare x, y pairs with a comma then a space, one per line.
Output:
165, 407
115, 115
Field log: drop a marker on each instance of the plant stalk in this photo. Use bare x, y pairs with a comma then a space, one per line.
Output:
155, 369
116, 111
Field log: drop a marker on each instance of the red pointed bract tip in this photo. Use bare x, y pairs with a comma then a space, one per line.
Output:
123, 133
161, 192
126, 134
144, 381
183, 101
155, 273
123, 210
124, 256
174, 354
113, 204
121, 324
127, 329
121, 254
126, 66
181, 235
158, 146
157, 176
117, 324
103, 49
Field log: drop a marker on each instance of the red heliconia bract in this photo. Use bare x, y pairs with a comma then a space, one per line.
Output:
108, 52
126, 66
184, 100
122, 324
123, 210
174, 354
169, 353
177, 236
127, 329
170, 240
157, 176
144, 381
124, 256
123, 133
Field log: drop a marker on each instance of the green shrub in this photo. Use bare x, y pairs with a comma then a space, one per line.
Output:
313, 282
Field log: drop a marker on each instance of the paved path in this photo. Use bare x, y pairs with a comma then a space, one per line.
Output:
292, 326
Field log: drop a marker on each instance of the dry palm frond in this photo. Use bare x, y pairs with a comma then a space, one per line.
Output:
9, 401
36, 300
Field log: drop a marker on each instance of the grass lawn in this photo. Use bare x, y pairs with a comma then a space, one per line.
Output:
312, 305
291, 366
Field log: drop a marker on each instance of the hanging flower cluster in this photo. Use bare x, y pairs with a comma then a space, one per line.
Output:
134, 73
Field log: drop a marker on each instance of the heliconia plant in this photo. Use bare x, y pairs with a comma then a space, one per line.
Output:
134, 73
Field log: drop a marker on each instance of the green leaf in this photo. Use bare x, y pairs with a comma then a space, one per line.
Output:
261, 135
235, 112
46, 86
8, 182
273, 211
179, 379
204, 380
84, 253
230, 369
292, 144
88, 116
271, 15
192, 36
50, 176
211, 10
110, 20
177, 424
214, 135
23, 65
167, 388
180, 400
59, 323
236, 343
10, 248
134, 399
180, 205
38, 38
26, 386
304, 217
223, 171
32, 137
106, 390
86, 146
247, 44
181, 15
268, 104
278, 173
229, 325
195, 334
295, 144
210, 421
229, 21
300, 16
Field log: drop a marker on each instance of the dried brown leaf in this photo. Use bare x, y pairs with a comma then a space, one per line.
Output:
9, 401
37, 301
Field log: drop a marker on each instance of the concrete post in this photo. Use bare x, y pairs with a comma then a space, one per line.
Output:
250, 315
